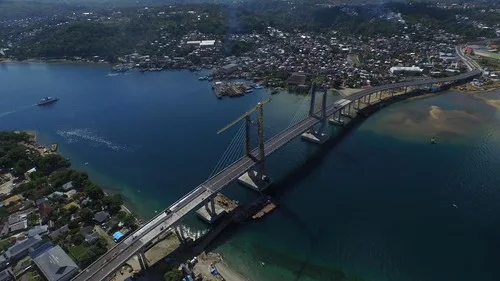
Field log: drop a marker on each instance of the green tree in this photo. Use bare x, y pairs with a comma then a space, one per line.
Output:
173, 275
59, 177
77, 239
130, 221
86, 215
50, 163
73, 209
94, 191
80, 179
73, 224
113, 203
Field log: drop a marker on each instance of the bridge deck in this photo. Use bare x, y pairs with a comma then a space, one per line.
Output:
123, 251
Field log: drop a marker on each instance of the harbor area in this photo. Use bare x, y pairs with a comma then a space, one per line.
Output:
233, 89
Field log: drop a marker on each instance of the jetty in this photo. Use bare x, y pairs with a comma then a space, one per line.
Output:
264, 211
231, 89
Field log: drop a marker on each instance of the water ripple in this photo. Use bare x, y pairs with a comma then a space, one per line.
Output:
77, 135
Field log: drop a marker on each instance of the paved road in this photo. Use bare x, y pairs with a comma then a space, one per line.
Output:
469, 62
467, 75
123, 251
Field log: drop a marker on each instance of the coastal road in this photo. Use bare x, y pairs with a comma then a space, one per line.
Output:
141, 238
469, 62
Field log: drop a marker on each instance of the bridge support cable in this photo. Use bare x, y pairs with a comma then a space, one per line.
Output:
229, 150
300, 114
234, 153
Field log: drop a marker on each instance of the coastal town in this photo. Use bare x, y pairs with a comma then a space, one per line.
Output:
275, 56
55, 222
51, 213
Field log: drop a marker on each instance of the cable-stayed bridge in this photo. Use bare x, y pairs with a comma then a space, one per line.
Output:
236, 163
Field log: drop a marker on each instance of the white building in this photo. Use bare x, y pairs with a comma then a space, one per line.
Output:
405, 69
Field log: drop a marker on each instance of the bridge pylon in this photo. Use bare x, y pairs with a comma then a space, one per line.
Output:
317, 136
254, 179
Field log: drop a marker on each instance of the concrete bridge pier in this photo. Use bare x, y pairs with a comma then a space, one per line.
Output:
356, 104
255, 180
315, 136
336, 118
143, 262
179, 232
347, 113
210, 212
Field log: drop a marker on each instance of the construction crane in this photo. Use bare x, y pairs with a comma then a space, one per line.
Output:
243, 116
260, 125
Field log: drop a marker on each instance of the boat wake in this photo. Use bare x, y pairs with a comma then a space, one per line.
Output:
77, 135
6, 113
2, 114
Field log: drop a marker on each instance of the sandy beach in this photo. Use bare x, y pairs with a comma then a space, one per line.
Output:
203, 268
228, 273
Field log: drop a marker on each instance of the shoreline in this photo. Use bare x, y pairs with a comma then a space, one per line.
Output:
124, 206
53, 61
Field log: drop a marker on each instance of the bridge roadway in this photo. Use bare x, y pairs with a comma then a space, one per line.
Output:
123, 251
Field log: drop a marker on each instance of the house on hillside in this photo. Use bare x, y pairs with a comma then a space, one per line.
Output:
101, 217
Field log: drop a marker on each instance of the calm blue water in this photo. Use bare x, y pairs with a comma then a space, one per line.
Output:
377, 205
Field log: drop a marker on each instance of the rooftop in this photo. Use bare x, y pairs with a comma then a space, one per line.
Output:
101, 216
68, 185
22, 246
56, 265
59, 231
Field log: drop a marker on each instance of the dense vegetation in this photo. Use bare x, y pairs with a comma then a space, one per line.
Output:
136, 29
132, 31
17, 155
173, 275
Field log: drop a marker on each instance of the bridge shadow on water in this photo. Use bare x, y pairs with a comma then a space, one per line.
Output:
298, 175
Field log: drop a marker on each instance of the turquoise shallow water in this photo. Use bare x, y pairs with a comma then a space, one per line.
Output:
377, 205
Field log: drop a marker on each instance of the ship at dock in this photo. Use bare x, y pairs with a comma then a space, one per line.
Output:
47, 100
231, 89
121, 68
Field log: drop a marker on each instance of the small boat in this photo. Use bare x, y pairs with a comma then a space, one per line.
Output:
203, 78
454, 205
433, 140
257, 86
248, 91
47, 100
